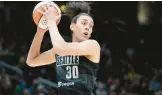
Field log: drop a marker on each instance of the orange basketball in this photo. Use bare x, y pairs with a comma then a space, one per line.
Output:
39, 19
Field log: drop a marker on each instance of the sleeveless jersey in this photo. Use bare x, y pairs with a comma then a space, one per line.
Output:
76, 75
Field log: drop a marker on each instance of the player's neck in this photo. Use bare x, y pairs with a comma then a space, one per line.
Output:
74, 39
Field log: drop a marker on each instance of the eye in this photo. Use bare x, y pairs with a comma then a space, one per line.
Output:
83, 23
91, 26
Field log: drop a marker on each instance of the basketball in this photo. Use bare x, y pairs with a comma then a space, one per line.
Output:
39, 19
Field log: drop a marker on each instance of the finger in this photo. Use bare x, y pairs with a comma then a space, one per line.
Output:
57, 17
45, 7
41, 12
48, 5
51, 5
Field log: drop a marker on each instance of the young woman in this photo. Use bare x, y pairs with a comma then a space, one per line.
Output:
76, 61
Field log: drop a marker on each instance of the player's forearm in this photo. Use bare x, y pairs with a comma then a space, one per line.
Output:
35, 47
56, 38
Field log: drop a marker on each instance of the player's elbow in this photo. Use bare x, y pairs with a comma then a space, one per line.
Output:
29, 63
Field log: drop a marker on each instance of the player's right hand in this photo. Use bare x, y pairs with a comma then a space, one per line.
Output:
41, 30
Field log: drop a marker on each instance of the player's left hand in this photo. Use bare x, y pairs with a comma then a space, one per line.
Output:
49, 12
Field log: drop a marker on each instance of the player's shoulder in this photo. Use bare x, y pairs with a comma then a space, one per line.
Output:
95, 47
94, 42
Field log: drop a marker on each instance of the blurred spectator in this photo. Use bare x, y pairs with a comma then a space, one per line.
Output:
115, 87
144, 89
20, 86
132, 74
154, 84
101, 89
130, 53
26, 92
5, 82
159, 92
40, 89
123, 92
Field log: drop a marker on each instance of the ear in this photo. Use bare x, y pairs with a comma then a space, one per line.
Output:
72, 26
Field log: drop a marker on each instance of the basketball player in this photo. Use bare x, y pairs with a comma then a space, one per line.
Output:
76, 61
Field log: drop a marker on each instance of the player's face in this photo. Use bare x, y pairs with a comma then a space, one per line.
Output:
83, 28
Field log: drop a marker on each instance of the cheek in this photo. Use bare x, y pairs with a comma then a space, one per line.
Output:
77, 32
80, 26
79, 29
90, 32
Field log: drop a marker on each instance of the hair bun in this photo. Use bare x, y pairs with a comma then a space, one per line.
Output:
76, 7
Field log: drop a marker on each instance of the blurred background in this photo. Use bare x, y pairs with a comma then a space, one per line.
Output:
130, 39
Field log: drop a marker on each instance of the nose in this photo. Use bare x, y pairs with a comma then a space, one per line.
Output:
87, 28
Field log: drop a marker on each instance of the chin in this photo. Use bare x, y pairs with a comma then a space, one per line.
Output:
84, 39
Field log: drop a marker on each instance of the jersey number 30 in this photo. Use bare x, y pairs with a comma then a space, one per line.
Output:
72, 72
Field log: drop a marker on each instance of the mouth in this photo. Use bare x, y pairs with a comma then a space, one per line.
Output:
85, 35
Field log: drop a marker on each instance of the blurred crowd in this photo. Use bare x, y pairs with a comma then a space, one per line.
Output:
16, 78
132, 83
128, 78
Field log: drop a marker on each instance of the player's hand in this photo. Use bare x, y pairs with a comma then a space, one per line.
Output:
41, 30
49, 12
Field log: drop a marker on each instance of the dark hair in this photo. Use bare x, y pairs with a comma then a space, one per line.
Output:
76, 9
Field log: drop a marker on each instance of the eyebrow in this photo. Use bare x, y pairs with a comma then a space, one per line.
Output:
87, 20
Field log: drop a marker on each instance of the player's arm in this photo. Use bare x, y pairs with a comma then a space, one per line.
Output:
89, 47
34, 57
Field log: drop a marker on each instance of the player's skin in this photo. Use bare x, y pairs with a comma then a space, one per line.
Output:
81, 45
